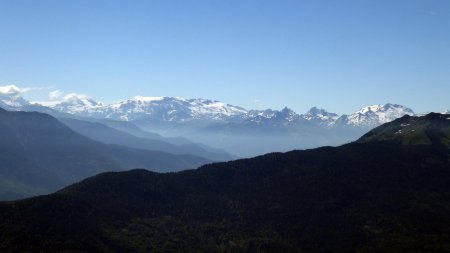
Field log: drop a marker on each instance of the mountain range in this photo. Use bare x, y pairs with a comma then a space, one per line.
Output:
179, 110
388, 191
233, 129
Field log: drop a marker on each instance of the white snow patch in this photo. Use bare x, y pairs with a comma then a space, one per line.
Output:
46, 103
147, 99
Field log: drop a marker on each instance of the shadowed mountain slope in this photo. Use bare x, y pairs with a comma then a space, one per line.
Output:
39, 155
433, 128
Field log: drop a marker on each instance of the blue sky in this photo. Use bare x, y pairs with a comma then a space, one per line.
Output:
339, 55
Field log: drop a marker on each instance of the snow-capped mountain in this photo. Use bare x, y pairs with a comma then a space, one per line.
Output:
160, 109
171, 109
320, 117
446, 111
374, 115
283, 117
176, 110
77, 104
9, 102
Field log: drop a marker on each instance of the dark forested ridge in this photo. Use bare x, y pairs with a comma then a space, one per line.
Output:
433, 128
40, 155
380, 194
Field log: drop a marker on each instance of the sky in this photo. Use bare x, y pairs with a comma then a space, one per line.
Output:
338, 55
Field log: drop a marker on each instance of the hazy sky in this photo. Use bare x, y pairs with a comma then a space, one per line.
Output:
339, 55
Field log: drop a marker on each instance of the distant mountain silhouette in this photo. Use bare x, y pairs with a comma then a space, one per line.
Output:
381, 193
105, 134
39, 155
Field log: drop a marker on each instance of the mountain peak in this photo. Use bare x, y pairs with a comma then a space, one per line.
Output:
320, 116
80, 99
72, 103
286, 110
381, 107
375, 115
314, 110
12, 101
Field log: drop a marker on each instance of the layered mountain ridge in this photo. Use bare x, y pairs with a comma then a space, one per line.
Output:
39, 154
